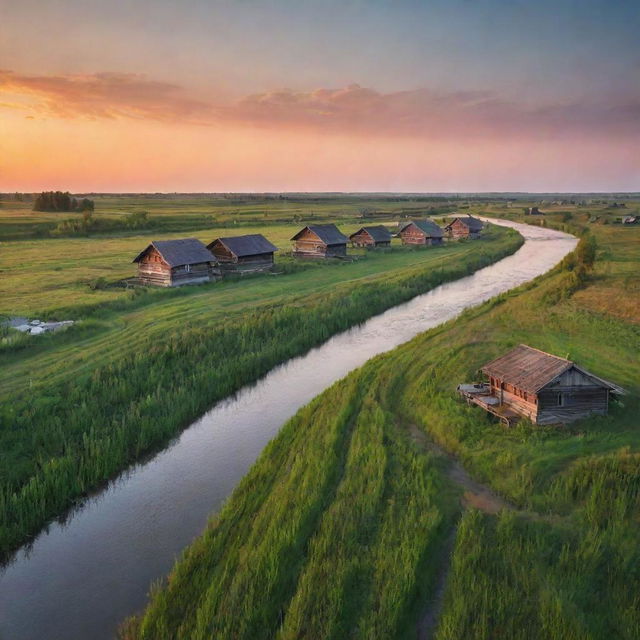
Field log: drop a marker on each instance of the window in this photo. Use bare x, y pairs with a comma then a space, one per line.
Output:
560, 400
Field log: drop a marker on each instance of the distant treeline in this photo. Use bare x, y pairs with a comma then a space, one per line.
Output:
61, 201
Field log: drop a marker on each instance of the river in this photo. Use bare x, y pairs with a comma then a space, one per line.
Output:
80, 577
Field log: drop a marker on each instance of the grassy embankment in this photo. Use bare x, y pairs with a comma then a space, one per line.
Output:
78, 406
357, 558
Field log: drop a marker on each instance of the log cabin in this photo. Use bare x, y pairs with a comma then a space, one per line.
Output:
464, 227
243, 254
320, 241
421, 232
546, 389
371, 237
171, 263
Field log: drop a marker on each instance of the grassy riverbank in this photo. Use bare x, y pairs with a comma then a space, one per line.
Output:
359, 558
80, 405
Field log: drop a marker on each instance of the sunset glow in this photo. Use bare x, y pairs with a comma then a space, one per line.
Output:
388, 111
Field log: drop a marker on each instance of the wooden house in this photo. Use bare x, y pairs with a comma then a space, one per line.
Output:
547, 389
371, 237
320, 241
243, 254
464, 227
171, 263
533, 211
421, 232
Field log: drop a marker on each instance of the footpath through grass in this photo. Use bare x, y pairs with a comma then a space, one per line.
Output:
354, 547
79, 406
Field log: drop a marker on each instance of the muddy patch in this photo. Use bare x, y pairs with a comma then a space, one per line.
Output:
475, 494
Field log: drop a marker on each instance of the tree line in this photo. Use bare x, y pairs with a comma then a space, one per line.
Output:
61, 201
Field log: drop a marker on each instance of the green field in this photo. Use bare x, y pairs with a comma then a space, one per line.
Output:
139, 365
341, 528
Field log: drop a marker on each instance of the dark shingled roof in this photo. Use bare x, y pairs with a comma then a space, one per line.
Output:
530, 369
249, 245
379, 233
473, 223
328, 233
429, 227
177, 253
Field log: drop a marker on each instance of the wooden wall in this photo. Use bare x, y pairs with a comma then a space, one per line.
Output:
247, 264
308, 245
152, 270
363, 239
573, 396
413, 235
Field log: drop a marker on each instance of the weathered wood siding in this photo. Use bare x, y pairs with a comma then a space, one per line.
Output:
308, 245
153, 270
521, 401
230, 263
363, 239
458, 229
571, 397
414, 235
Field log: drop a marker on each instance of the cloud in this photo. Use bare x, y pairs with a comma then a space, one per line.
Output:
434, 114
105, 95
348, 110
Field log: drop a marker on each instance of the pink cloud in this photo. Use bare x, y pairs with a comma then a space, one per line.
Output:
351, 110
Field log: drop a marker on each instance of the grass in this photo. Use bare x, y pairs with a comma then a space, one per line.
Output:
563, 566
138, 369
320, 507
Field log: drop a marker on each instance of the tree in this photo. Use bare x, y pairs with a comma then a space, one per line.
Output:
61, 201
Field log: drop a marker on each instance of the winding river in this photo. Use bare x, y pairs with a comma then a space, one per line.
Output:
81, 576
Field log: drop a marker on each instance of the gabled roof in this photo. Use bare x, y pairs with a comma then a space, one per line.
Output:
328, 233
177, 253
473, 223
379, 233
249, 245
531, 370
429, 227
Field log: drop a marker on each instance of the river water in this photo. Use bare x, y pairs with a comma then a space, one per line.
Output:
81, 577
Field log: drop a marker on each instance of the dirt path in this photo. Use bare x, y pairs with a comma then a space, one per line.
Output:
428, 622
475, 495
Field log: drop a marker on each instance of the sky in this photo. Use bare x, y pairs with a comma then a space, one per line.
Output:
323, 95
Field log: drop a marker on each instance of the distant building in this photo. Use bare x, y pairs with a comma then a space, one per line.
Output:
533, 211
320, 241
371, 237
243, 254
171, 263
421, 232
464, 227
547, 389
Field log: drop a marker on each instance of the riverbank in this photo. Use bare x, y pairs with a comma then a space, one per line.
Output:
135, 528
351, 546
126, 392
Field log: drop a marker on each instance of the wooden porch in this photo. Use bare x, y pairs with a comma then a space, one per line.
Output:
480, 395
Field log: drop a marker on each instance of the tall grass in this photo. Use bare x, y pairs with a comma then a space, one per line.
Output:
60, 440
323, 538
564, 567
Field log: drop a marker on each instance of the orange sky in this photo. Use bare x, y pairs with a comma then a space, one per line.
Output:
192, 99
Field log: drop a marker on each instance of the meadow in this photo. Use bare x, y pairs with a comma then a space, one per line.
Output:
346, 537
79, 406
